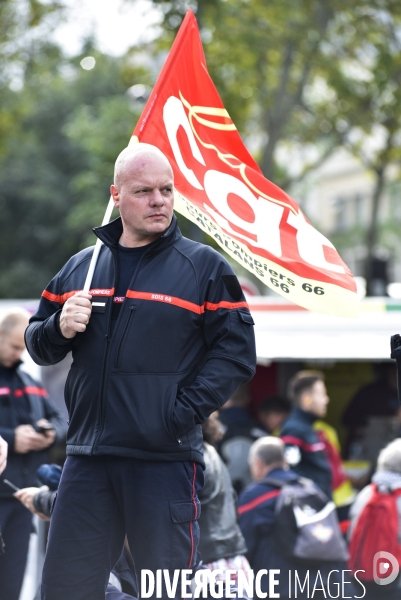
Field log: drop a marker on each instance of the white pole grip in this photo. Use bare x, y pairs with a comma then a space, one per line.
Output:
98, 245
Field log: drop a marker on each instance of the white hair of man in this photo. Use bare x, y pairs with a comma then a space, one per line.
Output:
269, 450
140, 149
390, 457
13, 317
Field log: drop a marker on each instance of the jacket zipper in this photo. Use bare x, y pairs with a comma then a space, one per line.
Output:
131, 312
106, 352
104, 371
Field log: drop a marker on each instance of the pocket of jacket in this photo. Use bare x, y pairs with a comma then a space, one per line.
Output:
67, 396
139, 413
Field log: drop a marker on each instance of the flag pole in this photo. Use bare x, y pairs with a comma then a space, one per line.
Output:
98, 245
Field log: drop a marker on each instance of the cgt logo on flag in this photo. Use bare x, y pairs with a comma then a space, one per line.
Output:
382, 573
220, 188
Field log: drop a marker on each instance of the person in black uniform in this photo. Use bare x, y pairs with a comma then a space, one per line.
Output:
305, 452
162, 340
30, 424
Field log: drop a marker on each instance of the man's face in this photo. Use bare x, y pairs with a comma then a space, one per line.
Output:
144, 197
12, 345
316, 399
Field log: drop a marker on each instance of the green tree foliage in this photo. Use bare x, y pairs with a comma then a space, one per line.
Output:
69, 126
22, 23
370, 85
279, 68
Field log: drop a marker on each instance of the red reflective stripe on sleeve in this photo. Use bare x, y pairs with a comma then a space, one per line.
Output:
224, 304
344, 526
294, 441
30, 389
166, 300
254, 503
5, 391
61, 298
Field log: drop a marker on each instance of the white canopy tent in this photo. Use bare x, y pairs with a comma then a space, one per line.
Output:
285, 332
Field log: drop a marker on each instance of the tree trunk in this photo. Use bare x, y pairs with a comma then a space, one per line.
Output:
372, 233
276, 117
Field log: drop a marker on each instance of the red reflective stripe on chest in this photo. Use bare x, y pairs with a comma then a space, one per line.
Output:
196, 308
5, 391
294, 441
166, 300
30, 389
61, 298
254, 503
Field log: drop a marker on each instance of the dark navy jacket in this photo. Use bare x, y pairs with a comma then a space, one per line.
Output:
256, 515
182, 344
256, 506
305, 452
21, 468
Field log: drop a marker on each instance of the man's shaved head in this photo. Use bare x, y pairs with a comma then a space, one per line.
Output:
143, 192
132, 156
13, 317
13, 323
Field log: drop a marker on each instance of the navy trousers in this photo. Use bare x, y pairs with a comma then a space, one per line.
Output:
15, 527
99, 500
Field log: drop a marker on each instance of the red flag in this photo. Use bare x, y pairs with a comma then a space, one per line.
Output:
219, 186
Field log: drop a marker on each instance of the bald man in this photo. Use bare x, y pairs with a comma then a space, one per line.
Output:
29, 424
162, 340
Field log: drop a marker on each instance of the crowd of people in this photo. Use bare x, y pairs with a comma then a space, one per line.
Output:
299, 446
167, 471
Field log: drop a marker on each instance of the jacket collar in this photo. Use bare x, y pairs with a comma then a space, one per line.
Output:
110, 234
10, 371
280, 474
303, 415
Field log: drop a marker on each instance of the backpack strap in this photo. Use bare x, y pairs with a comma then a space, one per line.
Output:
305, 482
386, 490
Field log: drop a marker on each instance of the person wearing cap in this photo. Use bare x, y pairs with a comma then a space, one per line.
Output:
163, 339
